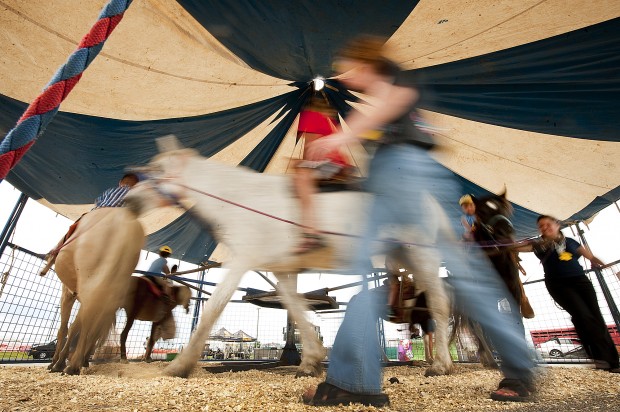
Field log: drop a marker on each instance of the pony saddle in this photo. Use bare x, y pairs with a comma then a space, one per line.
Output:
154, 287
351, 183
345, 178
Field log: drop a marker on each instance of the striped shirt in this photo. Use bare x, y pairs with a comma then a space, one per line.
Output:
112, 197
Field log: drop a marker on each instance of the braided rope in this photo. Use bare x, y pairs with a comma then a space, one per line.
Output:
41, 111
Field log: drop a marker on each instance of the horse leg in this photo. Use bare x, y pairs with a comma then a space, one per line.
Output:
150, 343
97, 327
72, 335
183, 364
67, 299
426, 274
313, 352
130, 319
485, 353
439, 309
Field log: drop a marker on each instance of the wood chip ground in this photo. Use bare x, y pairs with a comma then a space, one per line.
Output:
141, 387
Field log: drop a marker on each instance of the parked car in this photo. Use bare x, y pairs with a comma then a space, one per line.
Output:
559, 347
43, 351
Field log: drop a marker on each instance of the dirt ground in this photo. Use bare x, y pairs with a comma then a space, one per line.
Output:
140, 387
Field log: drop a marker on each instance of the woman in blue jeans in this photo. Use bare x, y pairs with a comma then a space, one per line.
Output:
402, 175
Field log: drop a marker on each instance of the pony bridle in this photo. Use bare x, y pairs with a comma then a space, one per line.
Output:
156, 184
490, 225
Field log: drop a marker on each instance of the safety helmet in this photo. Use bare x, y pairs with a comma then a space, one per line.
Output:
465, 199
165, 249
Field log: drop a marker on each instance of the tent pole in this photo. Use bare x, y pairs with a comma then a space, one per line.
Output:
380, 328
9, 228
290, 354
615, 314
197, 307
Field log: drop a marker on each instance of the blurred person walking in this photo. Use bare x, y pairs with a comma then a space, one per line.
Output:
402, 174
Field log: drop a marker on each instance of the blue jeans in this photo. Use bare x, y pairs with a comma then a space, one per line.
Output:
399, 177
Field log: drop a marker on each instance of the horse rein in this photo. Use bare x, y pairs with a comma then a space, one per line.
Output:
489, 228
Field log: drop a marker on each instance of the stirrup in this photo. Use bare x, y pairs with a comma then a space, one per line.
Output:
309, 243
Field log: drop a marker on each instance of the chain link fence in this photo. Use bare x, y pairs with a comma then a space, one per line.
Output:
30, 316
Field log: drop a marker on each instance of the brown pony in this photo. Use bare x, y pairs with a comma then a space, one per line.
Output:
143, 303
495, 232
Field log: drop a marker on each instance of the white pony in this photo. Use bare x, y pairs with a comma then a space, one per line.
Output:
251, 214
94, 266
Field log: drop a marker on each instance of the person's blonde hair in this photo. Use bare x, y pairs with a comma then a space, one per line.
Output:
465, 199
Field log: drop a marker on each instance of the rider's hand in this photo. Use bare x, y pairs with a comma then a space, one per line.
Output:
320, 148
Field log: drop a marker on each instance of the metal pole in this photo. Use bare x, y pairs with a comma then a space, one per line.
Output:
12, 222
290, 354
379, 320
198, 302
257, 321
615, 314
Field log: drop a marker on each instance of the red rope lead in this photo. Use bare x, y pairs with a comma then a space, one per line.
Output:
324, 232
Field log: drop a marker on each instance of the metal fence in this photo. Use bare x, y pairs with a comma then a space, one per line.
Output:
30, 314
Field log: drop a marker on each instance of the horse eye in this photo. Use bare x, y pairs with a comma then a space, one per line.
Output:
491, 205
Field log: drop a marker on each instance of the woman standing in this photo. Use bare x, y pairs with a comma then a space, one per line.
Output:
569, 286
402, 174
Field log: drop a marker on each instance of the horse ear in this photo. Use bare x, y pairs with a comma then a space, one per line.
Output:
168, 143
504, 193
474, 199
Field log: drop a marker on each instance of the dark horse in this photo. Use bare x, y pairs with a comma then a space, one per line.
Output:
495, 232
143, 302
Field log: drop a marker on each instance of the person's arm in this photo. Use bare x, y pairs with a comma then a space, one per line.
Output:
165, 269
525, 246
465, 223
391, 103
596, 262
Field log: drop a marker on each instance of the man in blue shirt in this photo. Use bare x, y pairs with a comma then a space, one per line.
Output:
115, 196
112, 197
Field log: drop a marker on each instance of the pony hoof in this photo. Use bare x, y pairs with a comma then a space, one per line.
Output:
123, 361
71, 371
57, 369
434, 372
176, 372
313, 372
148, 360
